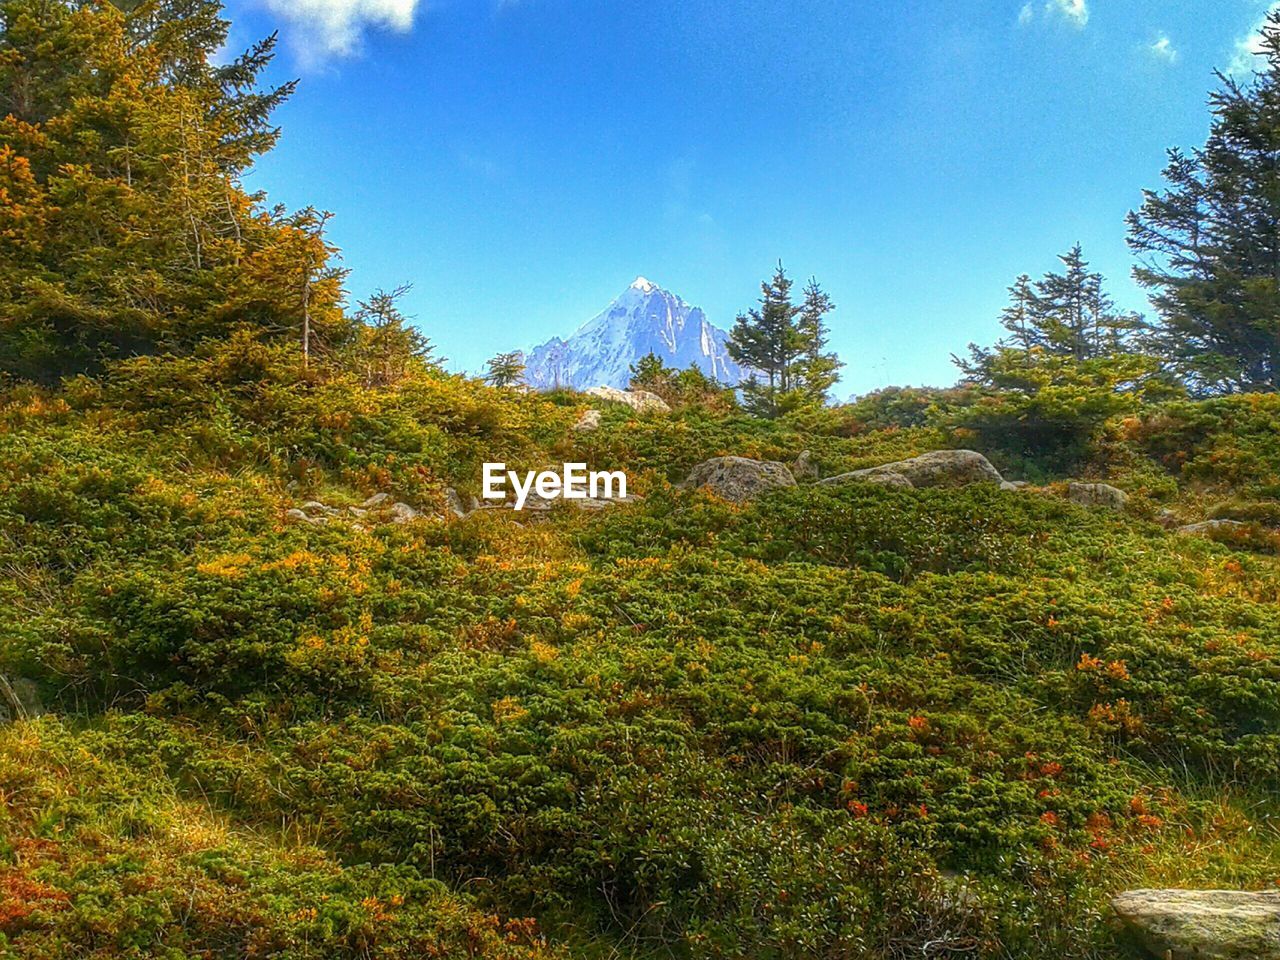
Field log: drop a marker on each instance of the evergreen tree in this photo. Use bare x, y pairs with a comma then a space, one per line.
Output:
506, 370
1209, 242
386, 344
650, 373
817, 370
124, 143
1063, 316
781, 344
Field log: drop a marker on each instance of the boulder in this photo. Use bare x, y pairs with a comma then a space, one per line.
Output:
377, 500
588, 422
403, 513
1097, 495
804, 468
315, 506
454, 502
1209, 526
641, 401
941, 468
739, 479
1013, 486
1203, 924
889, 479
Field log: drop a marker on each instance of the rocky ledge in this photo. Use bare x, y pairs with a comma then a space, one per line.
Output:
1203, 924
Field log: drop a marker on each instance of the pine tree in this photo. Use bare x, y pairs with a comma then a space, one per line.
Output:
506, 370
650, 373
129, 142
781, 344
386, 343
1063, 316
1209, 242
817, 370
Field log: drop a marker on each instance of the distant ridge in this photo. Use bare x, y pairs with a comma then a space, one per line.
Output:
643, 319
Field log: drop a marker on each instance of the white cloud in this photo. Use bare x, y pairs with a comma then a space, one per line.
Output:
1163, 49
1245, 61
1075, 11
1026, 15
335, 27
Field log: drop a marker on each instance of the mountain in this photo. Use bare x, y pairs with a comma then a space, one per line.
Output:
643, 319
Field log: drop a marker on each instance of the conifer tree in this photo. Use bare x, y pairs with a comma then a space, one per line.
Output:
1209, 241
1065, 316
386, 343
650, 373
817, 370
126, 142
782, 345
506, 369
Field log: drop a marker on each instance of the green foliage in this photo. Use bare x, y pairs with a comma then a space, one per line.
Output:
385, 346
682, 726
1226, 442
1207, 240
124, 229
784, 343
1058, 408
1063, 315
506, 370
681, 388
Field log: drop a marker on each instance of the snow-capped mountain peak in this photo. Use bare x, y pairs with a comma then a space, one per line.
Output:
643, 319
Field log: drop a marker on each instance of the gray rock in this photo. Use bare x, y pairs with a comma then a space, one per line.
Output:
588, 422
876, 475
315, 506
298, 516
641, 401
1203, 924
454, 503
377, 500
403, 513
1012, 486
739, 479
889, 479
1209, 526
941, 468
1097, 495
804, 468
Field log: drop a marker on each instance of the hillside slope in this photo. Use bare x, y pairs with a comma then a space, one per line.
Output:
837, 722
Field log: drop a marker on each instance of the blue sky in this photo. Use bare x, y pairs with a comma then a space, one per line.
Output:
521, 161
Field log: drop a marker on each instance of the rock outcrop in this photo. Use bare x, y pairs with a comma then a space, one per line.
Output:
588, 422
379, 508
1208, 527
941, 468
1203, 924
738, 478
804, 469
1097, 495
641, 401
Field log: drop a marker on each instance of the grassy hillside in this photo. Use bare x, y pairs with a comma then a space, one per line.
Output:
838, 722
